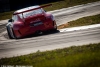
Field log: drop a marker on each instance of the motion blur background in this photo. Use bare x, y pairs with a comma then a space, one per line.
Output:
9, 5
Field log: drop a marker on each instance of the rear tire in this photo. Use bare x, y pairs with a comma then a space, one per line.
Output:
9, 35
55, 26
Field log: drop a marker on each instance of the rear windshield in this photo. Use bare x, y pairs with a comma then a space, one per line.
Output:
31, 13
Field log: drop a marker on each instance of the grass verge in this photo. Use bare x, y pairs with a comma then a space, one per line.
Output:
82, 22
6, 15
55, 5
81, 56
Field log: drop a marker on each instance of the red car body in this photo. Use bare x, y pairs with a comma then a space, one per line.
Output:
30, 20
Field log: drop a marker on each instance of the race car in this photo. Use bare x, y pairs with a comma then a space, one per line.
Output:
30, 20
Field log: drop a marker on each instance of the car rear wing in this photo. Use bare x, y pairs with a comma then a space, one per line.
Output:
33, 9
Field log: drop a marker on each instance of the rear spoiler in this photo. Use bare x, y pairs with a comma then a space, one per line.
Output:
33, 9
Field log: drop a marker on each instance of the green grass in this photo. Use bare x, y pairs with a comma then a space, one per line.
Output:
6, 15
82, 22
55, 5
81, 56
68, 3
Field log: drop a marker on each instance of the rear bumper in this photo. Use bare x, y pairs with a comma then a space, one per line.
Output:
47, 25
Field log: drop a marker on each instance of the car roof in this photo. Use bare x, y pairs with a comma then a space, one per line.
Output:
27, 8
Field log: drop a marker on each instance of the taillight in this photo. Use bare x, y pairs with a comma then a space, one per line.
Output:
50, 17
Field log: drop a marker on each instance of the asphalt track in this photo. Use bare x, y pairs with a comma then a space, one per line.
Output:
53, 40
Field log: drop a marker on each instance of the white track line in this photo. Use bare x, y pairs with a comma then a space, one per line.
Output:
79, 28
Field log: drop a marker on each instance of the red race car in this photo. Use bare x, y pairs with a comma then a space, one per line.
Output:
30, 20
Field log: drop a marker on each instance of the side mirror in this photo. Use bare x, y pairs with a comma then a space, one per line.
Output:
10, 20
45, 10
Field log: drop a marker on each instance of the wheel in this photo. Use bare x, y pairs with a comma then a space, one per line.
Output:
55, 26
9, 33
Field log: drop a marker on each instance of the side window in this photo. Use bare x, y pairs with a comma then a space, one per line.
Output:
12, 19
15, 18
